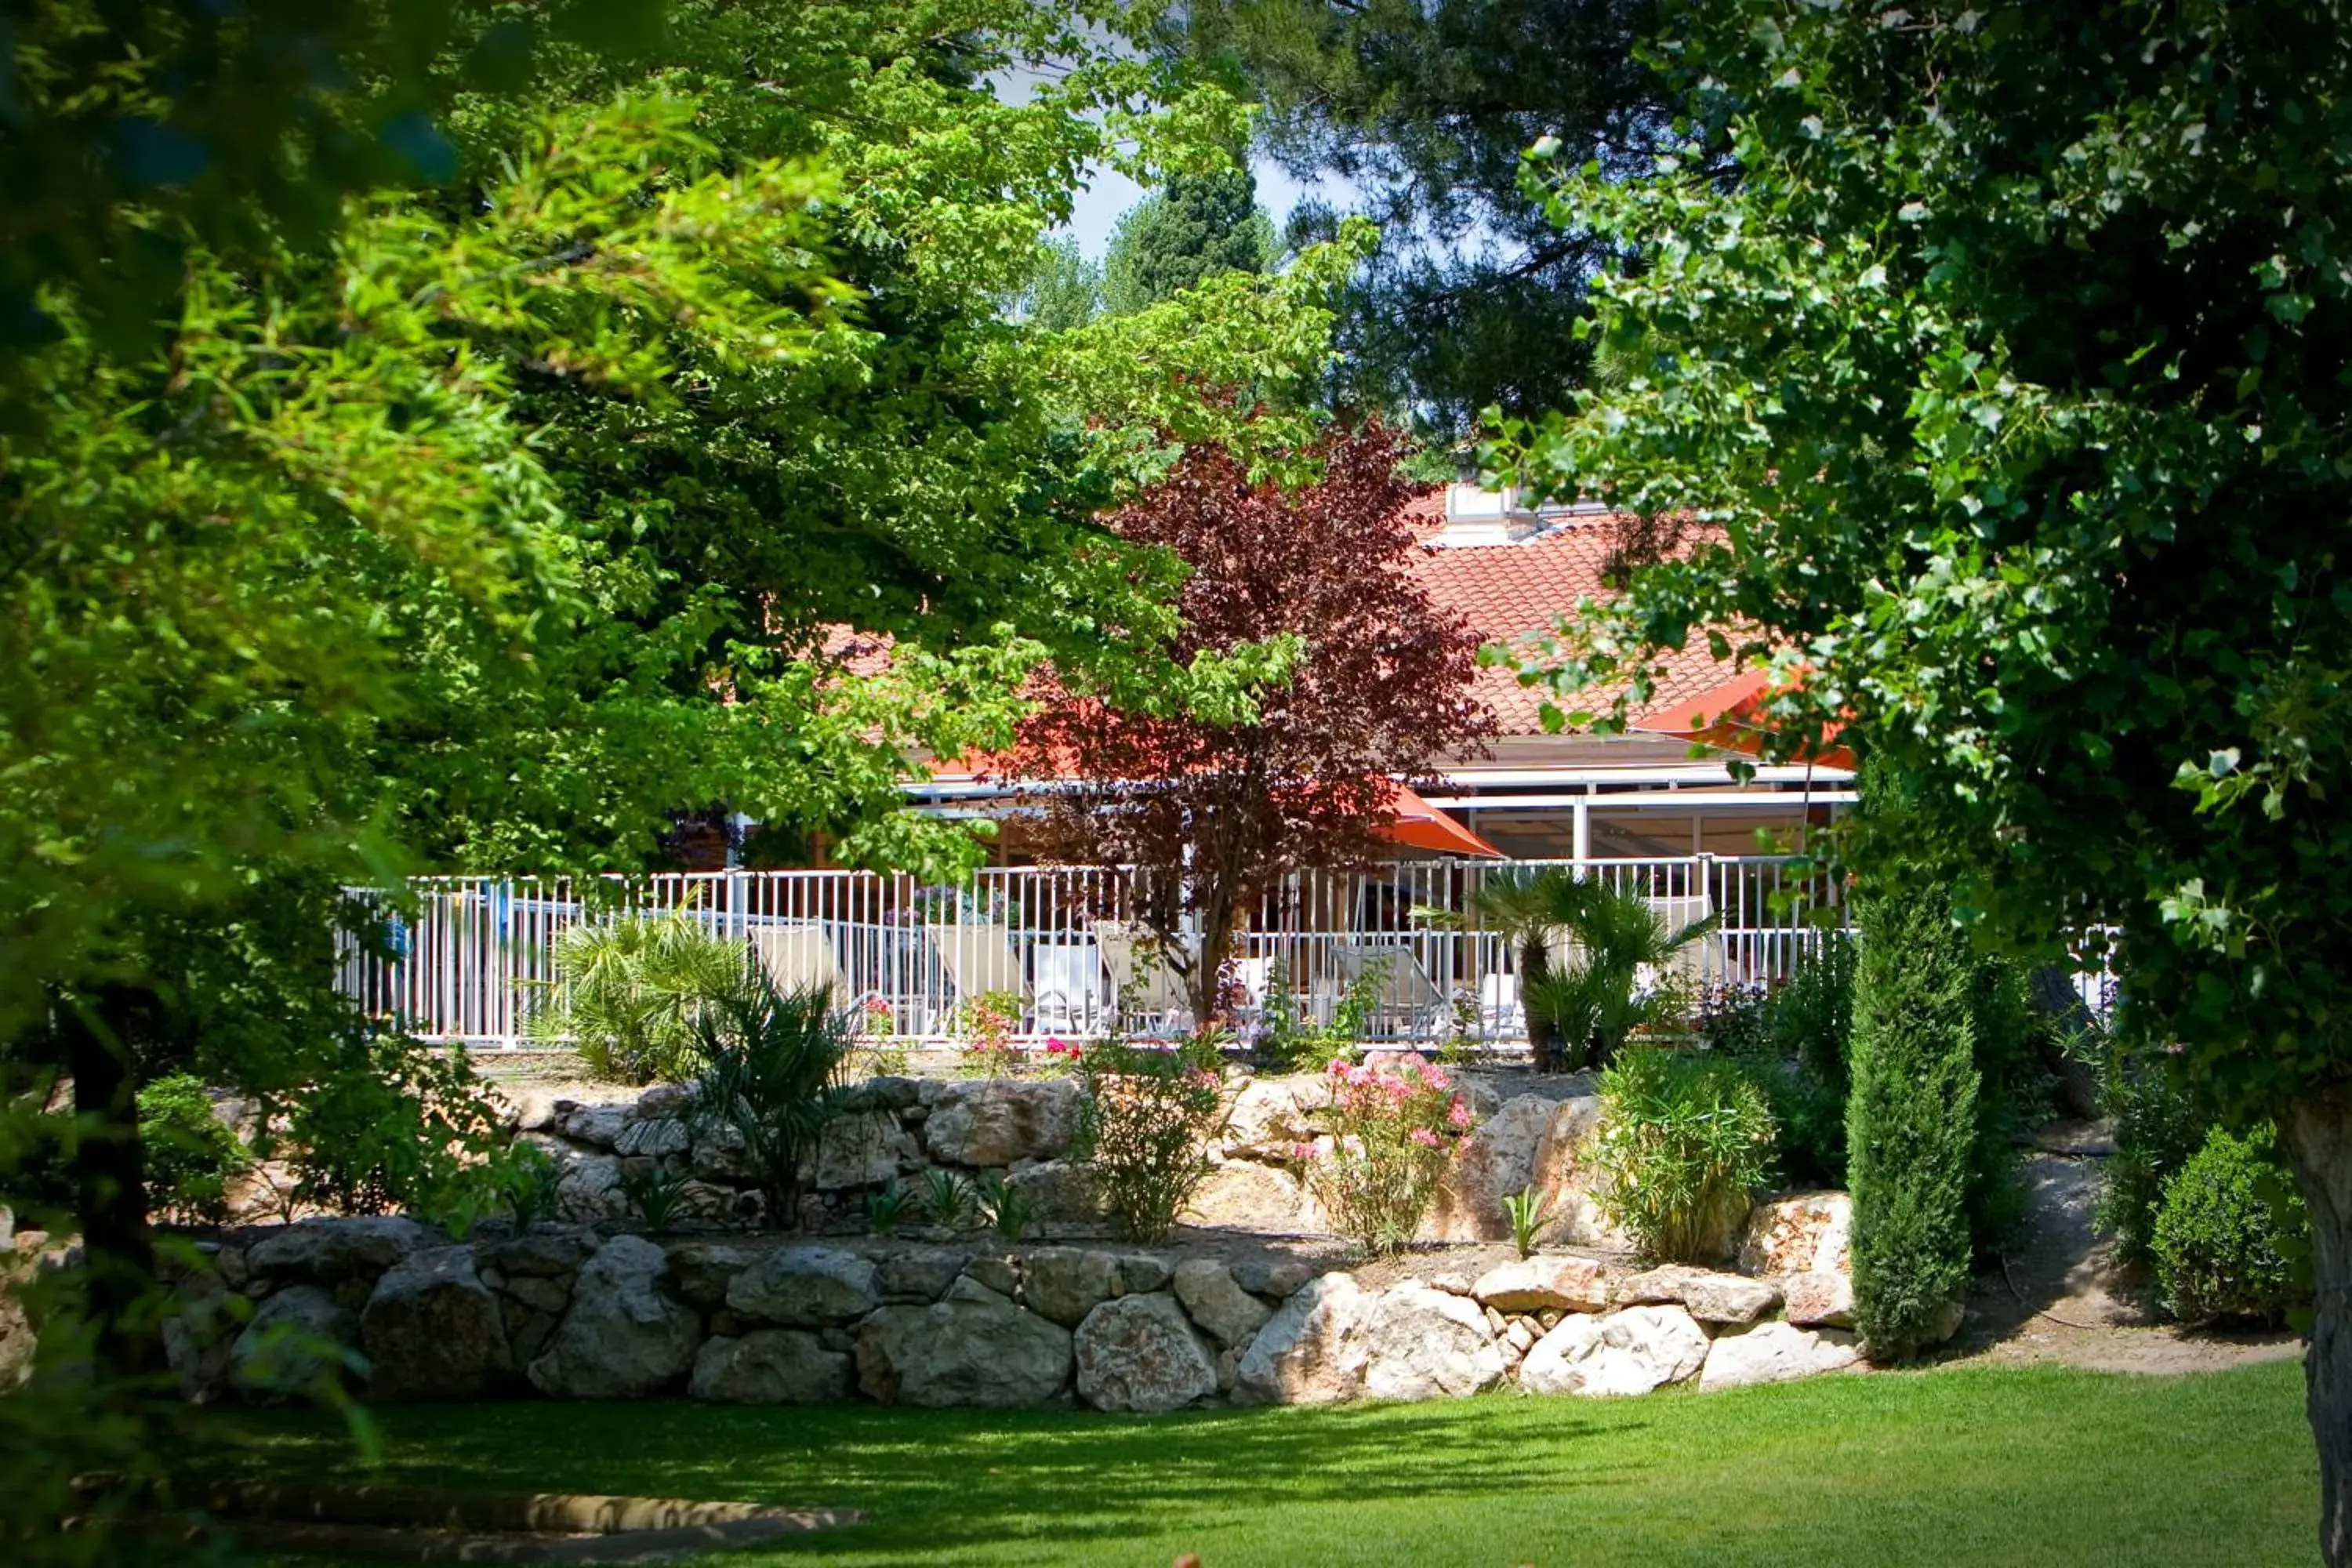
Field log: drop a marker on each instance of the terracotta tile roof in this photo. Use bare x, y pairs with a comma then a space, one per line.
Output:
1509, 592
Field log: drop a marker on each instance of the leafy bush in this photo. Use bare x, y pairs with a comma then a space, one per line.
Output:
1145, 1119
948, 1198
1685, 1139
2157, 1129
770, 1079
989, 1022
191, 1155
627, 994
654, 1193
1395, 1136
1810, 1018
1286, 1039
1526, 1212
1911, 1120
1733, 1019
399, 1127
2231, 1238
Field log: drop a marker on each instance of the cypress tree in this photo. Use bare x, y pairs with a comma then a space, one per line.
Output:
1911, 1120
1199, 226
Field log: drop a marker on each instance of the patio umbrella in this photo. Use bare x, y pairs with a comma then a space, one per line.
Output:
1731, 717
1420, 825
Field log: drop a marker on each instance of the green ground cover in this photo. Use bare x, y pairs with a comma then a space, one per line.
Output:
1980, 1464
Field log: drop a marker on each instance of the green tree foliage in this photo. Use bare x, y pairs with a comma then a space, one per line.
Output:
1201, 225
1064, 289
1911, 1118
490, 517
2010, 370
1424, 106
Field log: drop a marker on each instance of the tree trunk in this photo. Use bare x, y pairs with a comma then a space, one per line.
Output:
109, 1183
1544, 1045
1216, 943
2317, 1132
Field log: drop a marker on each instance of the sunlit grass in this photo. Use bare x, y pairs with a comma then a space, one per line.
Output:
2015, 1464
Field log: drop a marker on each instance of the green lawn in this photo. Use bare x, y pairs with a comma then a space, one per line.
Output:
1970, 1465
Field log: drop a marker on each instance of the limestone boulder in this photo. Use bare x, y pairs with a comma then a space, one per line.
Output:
920, 1276
1141, 1353
589, 1189
432, 1330
1495, 1161
998, 1121
1818, 1301
770, 1367
973, 1348
1627, 1352
1564, 1176
806, 1287
701, 1269
1227, 1313
1545, 1283
1707, 1295
1312, 1352
1061, 1192
1272, 1115
542, 1254
1420, 1342
1242, 1195
330, 1251
1804, 1233
1065, 1283
294, 1338
597, 1126
1279, 1279
623, 1337
863, 1150
1777, 1352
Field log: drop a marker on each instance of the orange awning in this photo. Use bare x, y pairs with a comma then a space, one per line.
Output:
1420, 825
1732, 716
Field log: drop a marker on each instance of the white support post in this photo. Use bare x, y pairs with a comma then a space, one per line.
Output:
1581, 839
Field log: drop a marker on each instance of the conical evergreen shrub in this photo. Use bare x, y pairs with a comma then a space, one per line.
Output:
1911, 1120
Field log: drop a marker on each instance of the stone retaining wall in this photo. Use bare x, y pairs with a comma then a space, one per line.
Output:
581, 1312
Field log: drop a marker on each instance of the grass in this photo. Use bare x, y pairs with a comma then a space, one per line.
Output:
1979, 1464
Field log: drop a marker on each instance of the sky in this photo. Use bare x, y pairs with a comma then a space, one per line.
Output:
1101, 205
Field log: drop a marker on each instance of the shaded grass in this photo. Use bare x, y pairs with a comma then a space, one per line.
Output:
1976, 1464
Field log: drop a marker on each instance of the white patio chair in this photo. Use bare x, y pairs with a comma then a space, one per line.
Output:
1704, 960
1499, 1015
1144, 986
979, 959
1406, 993
800, 957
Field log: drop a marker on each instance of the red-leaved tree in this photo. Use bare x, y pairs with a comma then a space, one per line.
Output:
1211, 814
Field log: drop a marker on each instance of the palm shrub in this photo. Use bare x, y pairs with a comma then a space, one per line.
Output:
1145, 1120
2231, 1238
1686, 1142
771, 1077
627, 994
1583, 946
1911, 1120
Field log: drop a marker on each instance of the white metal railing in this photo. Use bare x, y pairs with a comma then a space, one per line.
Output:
471, 957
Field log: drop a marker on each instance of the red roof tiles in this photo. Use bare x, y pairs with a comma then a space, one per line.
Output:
1509, 592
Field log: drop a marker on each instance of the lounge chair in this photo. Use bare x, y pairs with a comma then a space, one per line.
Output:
980, 960
800, 957
1146, 990
1407, 996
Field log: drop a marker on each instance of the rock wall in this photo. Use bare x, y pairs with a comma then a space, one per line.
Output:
583, 1313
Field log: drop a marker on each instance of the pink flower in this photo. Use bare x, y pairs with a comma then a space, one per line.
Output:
1201, 1077
1436, 1076
1398, 1089
1458, 1115
1304, 1151
1425, 1138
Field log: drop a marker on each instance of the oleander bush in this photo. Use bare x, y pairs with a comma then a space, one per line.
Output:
1686, 1140
1395, 1131
1146, 1116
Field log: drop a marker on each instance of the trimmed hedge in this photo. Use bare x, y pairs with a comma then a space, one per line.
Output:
2231, 1239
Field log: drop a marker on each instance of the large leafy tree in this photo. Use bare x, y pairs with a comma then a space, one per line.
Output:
1423, 107
1211, 807
491, 521
2013, 375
